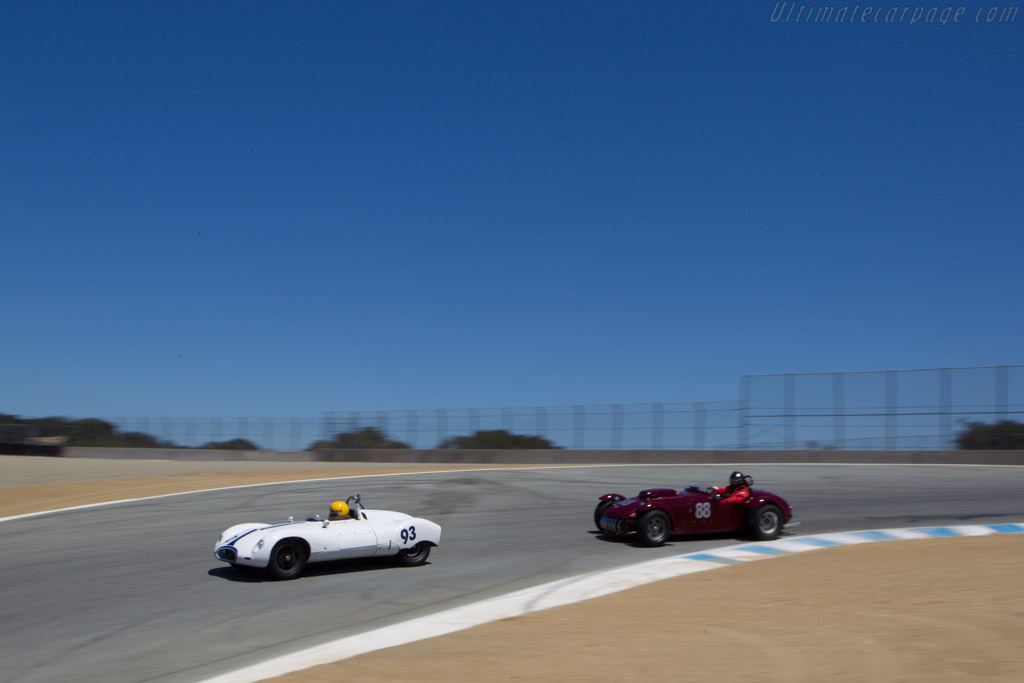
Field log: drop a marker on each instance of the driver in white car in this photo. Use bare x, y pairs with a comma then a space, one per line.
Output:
339, 511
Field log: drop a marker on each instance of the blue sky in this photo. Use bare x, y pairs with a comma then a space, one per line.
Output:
281, 208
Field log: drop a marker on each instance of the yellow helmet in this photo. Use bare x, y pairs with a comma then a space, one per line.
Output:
339, 509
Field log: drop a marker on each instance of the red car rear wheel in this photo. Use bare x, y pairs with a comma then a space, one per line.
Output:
599, 512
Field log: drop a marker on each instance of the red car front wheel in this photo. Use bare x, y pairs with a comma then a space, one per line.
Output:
766, 523
653, 528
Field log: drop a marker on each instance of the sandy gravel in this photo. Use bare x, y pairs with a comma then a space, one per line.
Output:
30, 484
928, 610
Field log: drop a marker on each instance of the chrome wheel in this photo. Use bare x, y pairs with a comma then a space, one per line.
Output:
653, 528
766, 523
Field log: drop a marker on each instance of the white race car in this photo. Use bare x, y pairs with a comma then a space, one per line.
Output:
348, 531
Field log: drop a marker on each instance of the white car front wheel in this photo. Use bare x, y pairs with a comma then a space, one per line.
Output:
414, 556
287, 559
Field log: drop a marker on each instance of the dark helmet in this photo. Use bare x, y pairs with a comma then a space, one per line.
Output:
736, 479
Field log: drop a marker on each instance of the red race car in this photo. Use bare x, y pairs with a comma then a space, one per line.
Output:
656, 514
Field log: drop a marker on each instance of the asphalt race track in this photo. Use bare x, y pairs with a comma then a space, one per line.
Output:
131, 592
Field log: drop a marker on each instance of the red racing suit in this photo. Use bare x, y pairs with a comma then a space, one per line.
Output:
732, 494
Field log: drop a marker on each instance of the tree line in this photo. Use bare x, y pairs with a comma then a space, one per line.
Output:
1003, 435
94, 432
97, 433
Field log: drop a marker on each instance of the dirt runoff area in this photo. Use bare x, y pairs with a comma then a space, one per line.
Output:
947, 609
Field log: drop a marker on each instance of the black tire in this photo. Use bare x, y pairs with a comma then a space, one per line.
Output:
599, 512
414, 556
653, 528
287, 559
766, 523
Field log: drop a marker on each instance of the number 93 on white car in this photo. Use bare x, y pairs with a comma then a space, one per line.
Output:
348, 531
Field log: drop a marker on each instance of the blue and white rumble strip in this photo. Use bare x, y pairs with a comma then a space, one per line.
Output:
585, 587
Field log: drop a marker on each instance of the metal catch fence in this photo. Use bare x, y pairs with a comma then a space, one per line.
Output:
891, 410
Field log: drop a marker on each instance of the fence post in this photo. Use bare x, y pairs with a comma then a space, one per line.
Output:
839, 410
442, 426
742, 412
579, 424
657, 425
1002, 390
699, 420
945, 404
891, 399
789, 428
616, 427
410, 428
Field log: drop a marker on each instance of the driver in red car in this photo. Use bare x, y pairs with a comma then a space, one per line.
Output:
737, 491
